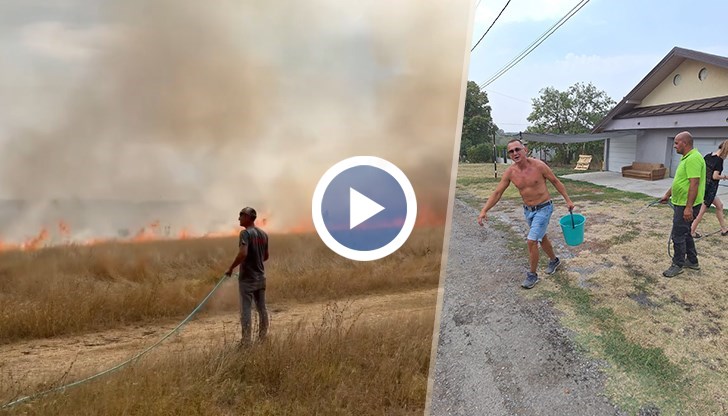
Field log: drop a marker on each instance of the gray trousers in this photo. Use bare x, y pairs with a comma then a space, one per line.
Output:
250, 294
681, 239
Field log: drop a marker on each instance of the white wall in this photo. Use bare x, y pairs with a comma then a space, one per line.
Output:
621, 153
655, 146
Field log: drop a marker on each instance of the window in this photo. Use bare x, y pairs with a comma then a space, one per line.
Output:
676, 79
702, 74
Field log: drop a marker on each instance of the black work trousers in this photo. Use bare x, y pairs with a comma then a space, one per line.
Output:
682, 240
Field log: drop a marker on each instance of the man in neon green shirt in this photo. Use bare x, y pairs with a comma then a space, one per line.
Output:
688, 189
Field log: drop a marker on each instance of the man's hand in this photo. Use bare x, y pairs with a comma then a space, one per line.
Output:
482, 217
570, 205
664, 199
229, 272
688, 214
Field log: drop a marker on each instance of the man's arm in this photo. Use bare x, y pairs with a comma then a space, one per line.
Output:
495, 196
549, 174
239, 259
667, 196
692, 194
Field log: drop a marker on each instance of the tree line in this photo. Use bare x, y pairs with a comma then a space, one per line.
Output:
575, 110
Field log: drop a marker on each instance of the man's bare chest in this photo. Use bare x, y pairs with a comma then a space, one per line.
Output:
527, 179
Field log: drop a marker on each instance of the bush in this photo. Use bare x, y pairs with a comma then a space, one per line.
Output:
480, 153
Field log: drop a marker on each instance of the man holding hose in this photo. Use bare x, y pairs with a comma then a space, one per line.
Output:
686, 194
253, 251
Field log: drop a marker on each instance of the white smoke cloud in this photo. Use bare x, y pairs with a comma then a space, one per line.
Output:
213, 107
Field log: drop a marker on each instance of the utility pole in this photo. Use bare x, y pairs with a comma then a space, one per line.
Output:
495, 159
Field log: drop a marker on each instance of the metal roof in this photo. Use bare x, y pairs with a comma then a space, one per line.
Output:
576, 138
695, 106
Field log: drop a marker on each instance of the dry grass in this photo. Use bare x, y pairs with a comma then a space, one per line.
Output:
664, 338
337, 367
66, 290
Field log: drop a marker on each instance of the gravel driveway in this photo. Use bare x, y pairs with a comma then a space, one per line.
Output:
500, 353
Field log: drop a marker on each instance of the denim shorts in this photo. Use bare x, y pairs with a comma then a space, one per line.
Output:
538, 221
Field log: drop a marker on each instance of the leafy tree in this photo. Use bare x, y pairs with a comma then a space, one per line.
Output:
574, 111
478, 124
480, 153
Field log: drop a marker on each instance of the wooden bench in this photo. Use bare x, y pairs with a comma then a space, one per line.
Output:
642, 170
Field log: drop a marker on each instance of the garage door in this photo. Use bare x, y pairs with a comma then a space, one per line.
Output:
622, 152
703, 145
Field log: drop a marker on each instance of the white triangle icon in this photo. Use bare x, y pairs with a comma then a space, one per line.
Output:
361, 208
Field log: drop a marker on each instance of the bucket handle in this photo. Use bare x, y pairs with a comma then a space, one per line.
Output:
571, 213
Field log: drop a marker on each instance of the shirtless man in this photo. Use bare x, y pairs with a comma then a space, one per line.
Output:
530, 175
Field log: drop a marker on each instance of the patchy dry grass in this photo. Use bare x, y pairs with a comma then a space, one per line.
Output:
665, 339
338, 367
65, 290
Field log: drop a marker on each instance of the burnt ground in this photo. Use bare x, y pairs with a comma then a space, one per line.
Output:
500, 352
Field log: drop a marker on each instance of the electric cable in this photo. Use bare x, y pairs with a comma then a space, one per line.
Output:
491, 25
535, 43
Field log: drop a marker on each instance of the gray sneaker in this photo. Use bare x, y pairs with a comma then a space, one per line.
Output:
553, 265
691, 265
673, 271
531, 280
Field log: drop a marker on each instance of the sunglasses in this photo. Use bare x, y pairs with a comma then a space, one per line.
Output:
515, 150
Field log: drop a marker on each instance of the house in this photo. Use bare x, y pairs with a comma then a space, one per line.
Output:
687, 90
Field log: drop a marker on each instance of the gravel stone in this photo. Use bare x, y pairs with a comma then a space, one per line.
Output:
499, 352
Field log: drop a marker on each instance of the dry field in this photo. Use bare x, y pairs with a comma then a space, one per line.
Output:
346, 337
664, 339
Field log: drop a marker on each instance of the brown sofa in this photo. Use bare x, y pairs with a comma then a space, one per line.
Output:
642, 170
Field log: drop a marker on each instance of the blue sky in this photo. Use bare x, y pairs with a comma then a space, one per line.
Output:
610, 43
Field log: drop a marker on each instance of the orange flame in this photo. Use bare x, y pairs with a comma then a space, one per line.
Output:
184, 234
150, 232
427, 216
36, 241
63, 229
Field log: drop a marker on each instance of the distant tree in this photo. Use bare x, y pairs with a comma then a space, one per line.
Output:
478, 124
574, 111
480, 153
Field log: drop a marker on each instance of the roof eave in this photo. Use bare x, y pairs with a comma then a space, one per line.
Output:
668, 64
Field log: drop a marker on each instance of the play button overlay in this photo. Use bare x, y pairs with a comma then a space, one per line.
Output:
361, 208
364, 208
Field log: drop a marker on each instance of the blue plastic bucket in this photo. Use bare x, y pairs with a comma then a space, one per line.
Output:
573, 233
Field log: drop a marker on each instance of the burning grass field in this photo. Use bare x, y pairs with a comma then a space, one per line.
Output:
664, 339
339, 361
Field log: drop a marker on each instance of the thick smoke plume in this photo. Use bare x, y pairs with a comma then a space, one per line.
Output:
184, 112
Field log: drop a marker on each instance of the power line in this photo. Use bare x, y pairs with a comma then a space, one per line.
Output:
491, 25
535, 43
508, 96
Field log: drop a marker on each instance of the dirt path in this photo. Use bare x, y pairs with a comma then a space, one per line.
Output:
500, 352
32, 365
